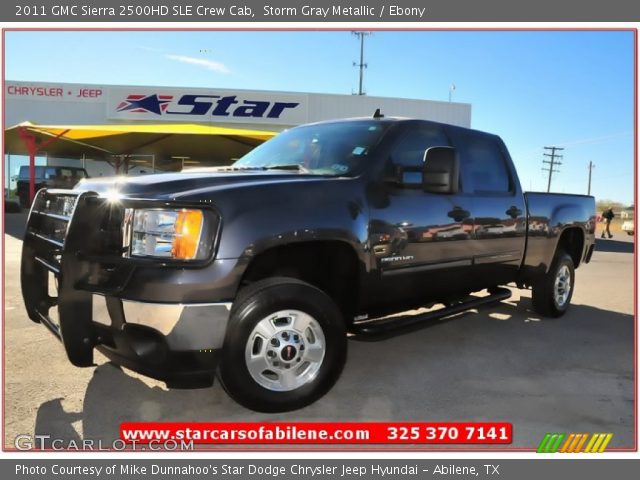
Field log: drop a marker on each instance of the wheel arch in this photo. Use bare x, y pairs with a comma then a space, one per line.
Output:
572, 241
333, 266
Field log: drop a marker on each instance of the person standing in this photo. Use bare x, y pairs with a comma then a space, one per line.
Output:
607, 215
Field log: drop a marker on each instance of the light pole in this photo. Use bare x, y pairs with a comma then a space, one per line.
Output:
361, 65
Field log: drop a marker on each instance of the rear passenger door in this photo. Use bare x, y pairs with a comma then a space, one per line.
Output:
499, 213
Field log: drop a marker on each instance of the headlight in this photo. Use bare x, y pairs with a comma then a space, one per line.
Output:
167, 233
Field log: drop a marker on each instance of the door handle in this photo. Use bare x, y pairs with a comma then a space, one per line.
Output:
458, 214
514, 212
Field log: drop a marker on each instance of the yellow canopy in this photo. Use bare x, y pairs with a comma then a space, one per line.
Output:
196, 141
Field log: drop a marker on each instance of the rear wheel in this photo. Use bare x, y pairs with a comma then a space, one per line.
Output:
285, 346
552, 292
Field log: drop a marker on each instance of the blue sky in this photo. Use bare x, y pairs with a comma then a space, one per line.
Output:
571, 89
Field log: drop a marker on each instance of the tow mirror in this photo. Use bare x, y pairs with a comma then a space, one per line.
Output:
440, 171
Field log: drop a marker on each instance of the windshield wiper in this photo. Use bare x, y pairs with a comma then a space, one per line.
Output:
289, 166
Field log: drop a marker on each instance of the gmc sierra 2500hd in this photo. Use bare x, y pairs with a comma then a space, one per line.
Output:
258, 270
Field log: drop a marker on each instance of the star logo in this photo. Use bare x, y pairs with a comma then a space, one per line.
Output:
145, 103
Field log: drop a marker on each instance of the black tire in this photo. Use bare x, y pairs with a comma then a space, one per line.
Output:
254, 305
545, 296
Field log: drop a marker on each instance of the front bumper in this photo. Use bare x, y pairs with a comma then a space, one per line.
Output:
176, 342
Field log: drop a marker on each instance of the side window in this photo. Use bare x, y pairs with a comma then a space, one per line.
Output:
50, 173
482, 165
409, 149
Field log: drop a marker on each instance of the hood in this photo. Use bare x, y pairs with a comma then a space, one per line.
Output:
168, 185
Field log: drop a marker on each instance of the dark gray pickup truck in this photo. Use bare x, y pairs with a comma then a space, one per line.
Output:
258, 270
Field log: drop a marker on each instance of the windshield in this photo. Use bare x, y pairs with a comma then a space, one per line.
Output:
324, 149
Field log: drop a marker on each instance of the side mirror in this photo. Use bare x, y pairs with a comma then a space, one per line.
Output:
440, 171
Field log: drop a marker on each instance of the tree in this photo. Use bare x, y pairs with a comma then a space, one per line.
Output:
602, 205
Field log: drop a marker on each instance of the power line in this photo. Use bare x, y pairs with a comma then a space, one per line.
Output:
361, 65
552, 163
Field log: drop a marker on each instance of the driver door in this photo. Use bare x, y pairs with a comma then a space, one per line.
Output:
420, 241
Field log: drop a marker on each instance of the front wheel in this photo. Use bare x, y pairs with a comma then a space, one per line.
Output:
552, 292
285, 346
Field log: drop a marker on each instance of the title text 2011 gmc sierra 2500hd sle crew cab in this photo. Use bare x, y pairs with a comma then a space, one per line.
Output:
258, 270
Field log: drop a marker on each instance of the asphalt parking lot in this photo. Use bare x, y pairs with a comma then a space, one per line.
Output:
504, 363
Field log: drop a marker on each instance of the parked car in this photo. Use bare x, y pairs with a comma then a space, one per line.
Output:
49, 177
258, 270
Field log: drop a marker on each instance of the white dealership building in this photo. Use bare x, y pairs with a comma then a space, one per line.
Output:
167, 128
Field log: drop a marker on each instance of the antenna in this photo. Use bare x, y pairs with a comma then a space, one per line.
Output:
377, 114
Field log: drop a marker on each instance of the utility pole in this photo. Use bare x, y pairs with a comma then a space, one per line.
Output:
591, 167
552, 163
361, 65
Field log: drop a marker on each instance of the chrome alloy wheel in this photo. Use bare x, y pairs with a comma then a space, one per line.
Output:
285, 350
562, 286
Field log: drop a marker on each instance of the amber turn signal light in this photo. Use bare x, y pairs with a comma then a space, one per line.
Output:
188, 228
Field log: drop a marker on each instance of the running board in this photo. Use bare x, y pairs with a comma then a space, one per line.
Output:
374, 327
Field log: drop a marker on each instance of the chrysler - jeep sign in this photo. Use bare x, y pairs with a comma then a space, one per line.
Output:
206, 106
